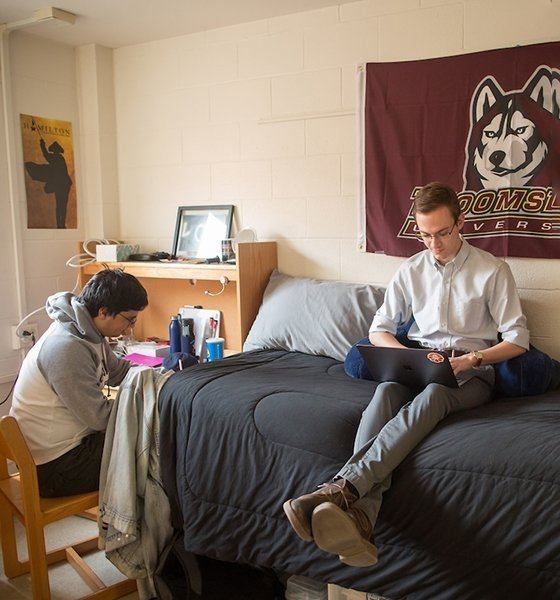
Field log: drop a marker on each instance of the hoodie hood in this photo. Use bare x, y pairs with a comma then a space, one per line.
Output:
73, 316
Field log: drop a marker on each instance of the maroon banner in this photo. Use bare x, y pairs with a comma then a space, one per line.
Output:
487, 124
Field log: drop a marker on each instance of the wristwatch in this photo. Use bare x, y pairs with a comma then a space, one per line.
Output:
478, 358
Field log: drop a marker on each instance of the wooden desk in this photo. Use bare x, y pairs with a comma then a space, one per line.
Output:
172, 285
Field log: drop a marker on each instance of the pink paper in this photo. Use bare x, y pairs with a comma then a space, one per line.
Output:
142, 359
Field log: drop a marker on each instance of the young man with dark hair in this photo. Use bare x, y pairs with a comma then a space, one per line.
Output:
58, 398
465, 303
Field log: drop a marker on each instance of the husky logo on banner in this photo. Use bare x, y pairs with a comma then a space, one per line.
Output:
485, 123
513, 135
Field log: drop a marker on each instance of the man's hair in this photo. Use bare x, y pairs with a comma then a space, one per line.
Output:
432, 196
114, 290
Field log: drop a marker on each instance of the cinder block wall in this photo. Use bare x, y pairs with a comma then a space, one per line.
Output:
219, 117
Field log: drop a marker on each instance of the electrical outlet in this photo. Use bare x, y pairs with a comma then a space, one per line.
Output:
28, 335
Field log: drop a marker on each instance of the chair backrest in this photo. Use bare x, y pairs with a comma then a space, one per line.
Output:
14, 447
12, 443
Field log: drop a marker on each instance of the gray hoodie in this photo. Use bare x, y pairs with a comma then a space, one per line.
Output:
58, 397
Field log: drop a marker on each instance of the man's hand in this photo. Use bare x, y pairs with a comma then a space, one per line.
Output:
462, 363
488, 356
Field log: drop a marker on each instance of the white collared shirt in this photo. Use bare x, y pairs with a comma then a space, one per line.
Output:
462, 305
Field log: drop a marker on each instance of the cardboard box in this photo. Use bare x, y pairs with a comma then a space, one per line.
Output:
339, 593
115, 252
299, 587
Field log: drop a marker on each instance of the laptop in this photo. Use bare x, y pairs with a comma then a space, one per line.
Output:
413, 367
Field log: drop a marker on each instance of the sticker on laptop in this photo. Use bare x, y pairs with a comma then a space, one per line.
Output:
435, 357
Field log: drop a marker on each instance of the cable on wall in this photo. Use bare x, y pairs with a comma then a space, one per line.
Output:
224, 281
78, 260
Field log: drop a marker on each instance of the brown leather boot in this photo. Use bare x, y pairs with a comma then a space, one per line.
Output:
346, 533
299, 510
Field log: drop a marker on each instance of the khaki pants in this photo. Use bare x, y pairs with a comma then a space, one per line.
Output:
394, 422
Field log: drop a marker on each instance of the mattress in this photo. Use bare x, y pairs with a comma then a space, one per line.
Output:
472, 512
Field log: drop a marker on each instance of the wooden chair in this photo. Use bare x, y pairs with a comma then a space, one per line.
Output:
19, 497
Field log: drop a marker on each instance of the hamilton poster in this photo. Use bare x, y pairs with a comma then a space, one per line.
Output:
488, 125
48, 156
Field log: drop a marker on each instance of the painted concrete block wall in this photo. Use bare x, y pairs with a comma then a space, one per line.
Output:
9, 360
262, 116
99, 198
42, 82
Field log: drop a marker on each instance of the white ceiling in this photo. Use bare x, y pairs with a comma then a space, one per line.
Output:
115, 23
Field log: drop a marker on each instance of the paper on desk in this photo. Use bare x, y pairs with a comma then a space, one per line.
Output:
206, 324
142, 359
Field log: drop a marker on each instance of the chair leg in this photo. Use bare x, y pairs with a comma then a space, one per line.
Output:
84, 570
90, 514
13, 567
38, 561
100, 590
118, 590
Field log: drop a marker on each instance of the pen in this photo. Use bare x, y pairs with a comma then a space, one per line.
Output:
213, 326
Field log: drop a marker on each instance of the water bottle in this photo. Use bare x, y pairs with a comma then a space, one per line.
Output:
175, 334
187, 336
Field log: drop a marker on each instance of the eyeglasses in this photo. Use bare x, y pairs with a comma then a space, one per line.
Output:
440, 235
132, 320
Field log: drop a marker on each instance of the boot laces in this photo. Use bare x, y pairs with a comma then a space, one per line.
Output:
330, 492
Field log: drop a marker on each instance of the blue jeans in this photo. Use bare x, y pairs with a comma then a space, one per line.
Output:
394, 422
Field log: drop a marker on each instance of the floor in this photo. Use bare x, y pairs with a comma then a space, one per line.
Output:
222, 581
65, 583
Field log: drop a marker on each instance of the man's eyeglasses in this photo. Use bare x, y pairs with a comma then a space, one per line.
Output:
131, 320
440, 235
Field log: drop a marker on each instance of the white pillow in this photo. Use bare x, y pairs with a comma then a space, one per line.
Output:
313, 316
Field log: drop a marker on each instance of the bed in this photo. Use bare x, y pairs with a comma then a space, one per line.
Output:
473, 512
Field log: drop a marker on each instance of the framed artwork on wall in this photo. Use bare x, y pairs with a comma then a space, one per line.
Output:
50, 180
199, 231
